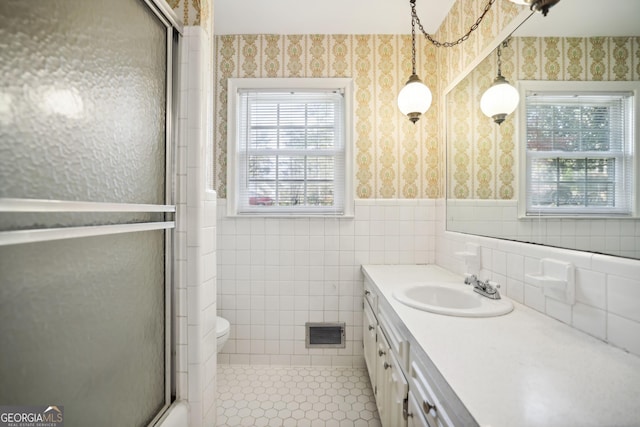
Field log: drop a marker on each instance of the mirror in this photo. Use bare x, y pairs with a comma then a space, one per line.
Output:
578, 40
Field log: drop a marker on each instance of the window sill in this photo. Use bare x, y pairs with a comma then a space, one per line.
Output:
577, 216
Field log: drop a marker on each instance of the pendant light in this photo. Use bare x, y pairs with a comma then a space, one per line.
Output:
501, 99
415, 97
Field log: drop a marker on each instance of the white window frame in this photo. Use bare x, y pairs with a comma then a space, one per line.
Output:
563, 87
235, 86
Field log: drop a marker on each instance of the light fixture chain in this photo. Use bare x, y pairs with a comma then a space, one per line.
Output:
413, 45
461, 39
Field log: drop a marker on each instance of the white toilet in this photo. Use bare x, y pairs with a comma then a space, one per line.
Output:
222, 332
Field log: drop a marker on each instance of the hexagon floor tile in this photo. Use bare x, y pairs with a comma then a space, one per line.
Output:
296, 396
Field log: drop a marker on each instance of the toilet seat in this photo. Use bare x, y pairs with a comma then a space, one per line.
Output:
222, 332
222, 326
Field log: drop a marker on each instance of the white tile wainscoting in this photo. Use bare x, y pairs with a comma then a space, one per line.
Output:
275, 274
500, 218
607, 287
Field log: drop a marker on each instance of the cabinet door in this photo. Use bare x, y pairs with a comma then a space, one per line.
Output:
369, 340
382, 379
398, 344
398, 389
392, 387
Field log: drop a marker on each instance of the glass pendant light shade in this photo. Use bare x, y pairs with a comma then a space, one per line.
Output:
414, 99
500, 100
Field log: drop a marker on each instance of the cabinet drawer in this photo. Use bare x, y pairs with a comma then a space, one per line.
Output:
370, 296
369, 318
396, 341
428, 403
415, 416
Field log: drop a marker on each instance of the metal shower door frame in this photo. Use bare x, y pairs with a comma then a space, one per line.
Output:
167, 17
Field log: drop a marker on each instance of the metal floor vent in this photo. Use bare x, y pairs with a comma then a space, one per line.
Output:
325, 335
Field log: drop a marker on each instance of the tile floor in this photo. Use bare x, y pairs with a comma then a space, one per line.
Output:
296, 396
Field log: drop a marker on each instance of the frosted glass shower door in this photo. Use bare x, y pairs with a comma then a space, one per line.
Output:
86, 207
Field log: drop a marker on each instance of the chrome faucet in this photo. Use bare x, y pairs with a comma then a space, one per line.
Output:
487, 288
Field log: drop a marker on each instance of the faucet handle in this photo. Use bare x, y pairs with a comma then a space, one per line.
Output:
492, 287
493, 284
470, 279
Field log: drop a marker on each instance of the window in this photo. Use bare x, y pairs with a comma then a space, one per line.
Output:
289, 147
579, 144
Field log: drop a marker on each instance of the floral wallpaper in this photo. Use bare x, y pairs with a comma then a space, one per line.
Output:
481, 157
480, 154
192, 12
577, 58
463, 14
392, 157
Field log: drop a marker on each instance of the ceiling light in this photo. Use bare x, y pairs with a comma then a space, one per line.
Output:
415, 97
501, 99
542, 6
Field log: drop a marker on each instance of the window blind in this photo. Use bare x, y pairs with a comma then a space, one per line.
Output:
291, 152
579, 150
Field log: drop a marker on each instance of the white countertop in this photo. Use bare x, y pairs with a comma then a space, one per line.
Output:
520, 369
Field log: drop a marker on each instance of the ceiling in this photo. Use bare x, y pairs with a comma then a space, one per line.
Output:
569, 18
325, 16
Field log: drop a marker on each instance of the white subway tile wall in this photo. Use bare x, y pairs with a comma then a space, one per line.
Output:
607, 287
195, 241
499, 218
275, 274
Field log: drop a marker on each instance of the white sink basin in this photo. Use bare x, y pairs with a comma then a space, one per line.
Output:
451, 299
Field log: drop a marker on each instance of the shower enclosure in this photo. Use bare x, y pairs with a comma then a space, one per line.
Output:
87, 207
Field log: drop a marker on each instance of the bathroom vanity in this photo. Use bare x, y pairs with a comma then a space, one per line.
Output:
519, 369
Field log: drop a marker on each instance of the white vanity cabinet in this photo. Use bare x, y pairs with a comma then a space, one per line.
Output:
404, 384
469, 372
384, 349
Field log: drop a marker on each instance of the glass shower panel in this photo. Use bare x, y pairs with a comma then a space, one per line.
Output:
82, 101
82, 325
83, 117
